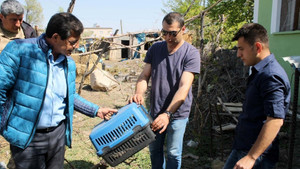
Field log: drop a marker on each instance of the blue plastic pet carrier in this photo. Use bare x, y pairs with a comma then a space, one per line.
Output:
123, 135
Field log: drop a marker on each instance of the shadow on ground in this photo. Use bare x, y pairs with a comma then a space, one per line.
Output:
78, 164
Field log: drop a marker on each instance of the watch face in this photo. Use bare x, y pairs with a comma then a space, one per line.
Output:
168, 113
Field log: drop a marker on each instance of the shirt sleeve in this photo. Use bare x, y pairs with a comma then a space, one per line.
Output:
273, 93
192, 62
85, 107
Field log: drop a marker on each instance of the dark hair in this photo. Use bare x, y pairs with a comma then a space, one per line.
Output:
11, 7
65, 24
252, 32
174, 17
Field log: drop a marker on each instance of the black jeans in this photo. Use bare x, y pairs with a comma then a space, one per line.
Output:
46, 151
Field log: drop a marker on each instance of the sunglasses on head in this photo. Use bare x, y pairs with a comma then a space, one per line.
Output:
172, 33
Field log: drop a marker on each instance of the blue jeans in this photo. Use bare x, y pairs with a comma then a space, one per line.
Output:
260, 163
174, 135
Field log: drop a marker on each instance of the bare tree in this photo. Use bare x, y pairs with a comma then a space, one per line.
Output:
34, 12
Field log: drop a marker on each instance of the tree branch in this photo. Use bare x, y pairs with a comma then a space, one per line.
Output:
192, 3
188, 21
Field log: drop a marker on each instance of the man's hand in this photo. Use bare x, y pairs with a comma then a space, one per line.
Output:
106, 113
137, 98
246, 162
161, 122
267, 134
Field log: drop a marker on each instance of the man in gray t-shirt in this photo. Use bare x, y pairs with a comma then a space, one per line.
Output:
171, 64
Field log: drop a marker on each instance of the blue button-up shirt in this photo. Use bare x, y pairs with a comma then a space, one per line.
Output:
54, 105
267, 95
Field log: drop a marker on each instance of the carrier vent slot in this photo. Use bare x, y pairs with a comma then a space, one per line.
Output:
118, 132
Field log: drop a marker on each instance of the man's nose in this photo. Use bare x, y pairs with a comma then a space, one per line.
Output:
18, 23
168, 37
238, 54
76, 46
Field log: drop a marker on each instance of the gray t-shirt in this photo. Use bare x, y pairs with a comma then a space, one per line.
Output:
166, 71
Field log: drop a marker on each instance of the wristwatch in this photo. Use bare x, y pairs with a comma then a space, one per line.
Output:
169, 114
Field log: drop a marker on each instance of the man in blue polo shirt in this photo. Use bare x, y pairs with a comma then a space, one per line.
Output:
265, 106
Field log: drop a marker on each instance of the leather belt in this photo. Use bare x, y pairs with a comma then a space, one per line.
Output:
48, 129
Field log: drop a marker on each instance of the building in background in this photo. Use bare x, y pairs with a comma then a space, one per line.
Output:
281, 18
97, 32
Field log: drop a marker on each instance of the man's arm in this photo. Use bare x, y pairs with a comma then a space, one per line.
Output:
9, 67
141, 85
266, 136
90, 109
185, 84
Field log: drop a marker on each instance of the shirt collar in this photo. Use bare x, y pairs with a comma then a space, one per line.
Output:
260, 65
43, 44
60, 59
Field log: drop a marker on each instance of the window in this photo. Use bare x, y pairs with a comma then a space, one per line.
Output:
285, 15
289, 16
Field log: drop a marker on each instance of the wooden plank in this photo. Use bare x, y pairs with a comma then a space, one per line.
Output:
225, 127
227, 114
232, 104
225, 108
235, 109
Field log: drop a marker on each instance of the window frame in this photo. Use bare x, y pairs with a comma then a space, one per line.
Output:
275, 19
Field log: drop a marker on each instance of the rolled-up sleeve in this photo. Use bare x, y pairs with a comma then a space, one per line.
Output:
273, 91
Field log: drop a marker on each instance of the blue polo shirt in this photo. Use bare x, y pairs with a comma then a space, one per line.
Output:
267, 95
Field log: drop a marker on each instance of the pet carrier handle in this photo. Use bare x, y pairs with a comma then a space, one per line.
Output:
143, 108
110, 116
138, 106
145, 111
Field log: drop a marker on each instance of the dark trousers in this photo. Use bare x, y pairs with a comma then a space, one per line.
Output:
46, 151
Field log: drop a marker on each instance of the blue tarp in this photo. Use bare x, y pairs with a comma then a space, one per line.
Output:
140, 38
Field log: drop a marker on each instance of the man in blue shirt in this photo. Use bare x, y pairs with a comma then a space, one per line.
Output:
38, 94
265, 106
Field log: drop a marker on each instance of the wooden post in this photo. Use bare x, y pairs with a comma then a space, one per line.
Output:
131, 37
221, 132
294, 121
71, 6
121, 26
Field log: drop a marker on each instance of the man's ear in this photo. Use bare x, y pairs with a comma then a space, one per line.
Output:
55, 36
183, 28
259, 47
1, 16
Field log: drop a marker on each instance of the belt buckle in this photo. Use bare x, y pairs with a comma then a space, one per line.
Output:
48, 129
